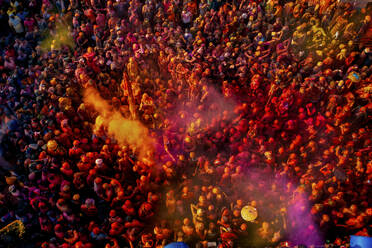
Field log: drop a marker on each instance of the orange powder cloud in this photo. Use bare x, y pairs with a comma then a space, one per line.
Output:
124, 131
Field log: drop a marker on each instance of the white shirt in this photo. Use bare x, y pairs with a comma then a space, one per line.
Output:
186, 17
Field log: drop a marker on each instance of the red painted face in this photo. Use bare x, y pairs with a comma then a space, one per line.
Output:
256, 81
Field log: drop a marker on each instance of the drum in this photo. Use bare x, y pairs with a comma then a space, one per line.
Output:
249, 213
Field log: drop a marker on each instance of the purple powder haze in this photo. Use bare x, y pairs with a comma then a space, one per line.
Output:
302, 227
275, 194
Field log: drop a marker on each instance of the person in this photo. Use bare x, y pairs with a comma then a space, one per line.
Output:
16, 24
186, 17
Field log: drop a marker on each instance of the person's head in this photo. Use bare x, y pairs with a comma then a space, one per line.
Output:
186, 221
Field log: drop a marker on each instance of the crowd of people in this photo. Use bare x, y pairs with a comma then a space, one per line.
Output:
248, 103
